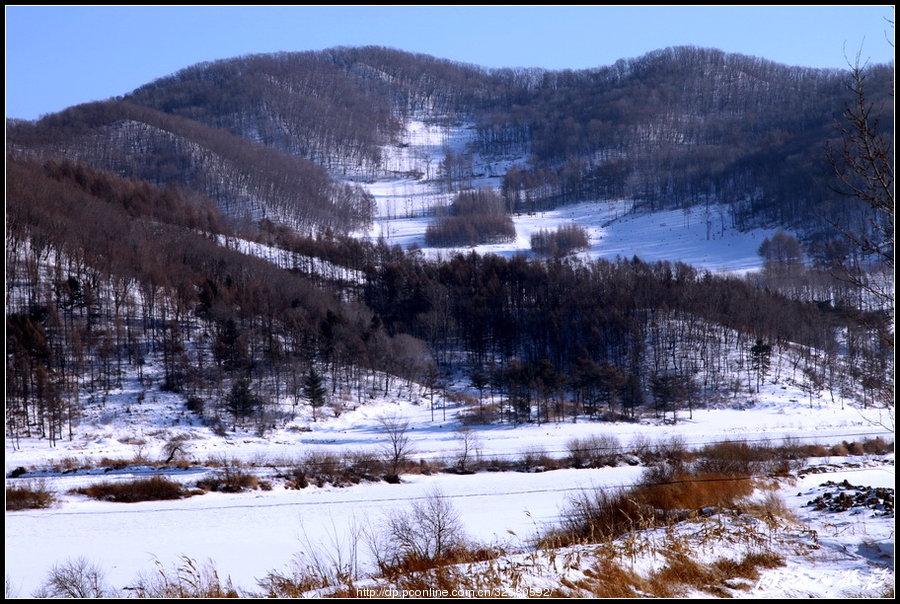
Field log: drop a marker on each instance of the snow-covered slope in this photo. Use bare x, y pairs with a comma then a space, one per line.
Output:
702, 236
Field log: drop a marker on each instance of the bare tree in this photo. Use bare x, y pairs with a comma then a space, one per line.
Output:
863, 166
398, 446
469, 446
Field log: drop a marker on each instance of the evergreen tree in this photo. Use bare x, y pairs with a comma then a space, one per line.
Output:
314, 391
760, 360
241, 400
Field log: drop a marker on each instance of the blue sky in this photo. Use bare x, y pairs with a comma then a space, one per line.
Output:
59, 56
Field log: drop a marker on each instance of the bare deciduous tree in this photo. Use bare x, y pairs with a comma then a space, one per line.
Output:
398, 446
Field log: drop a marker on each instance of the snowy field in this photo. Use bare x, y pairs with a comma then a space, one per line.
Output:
614, 233
248, 535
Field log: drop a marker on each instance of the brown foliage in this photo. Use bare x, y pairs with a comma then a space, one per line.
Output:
155, 488
29, 496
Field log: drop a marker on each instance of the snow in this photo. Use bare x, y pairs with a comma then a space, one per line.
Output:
614, 232
855, 551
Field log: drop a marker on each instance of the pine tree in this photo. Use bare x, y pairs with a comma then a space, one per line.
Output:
241, 400
314, 391
760, 360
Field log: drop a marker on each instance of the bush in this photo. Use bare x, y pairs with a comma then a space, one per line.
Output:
74, 579
877, 446
229, 480
29, 496
561, 242
594, 451
428, 534
473, 229
155, 488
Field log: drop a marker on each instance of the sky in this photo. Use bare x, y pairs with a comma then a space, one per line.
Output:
61, 56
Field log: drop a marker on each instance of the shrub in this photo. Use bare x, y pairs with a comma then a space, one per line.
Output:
155, 488
473, 229
877, 446
430, 533
594, 451
195, 405
563, 241
229, 480
29, 496
74, 579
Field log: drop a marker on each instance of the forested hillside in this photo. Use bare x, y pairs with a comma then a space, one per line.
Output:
106, 275
245, 179
671, 129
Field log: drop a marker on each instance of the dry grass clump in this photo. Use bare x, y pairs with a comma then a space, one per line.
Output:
231, 480
680, 574
664, 494
666, 488
155, 488
683, 572
610, 580
771, 509
188, 580
294, 585
31, 495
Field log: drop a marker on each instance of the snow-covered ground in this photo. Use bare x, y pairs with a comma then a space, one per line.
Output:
614, 233
247, 535
124, 426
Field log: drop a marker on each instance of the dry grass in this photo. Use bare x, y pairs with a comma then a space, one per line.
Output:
188, 580
231, 480
609, 580
670, 490
31, 495
663, 495
155, 488
771, 509
680, 574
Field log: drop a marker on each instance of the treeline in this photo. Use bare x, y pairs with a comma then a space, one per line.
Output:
243, 178
672, 128
335, 107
